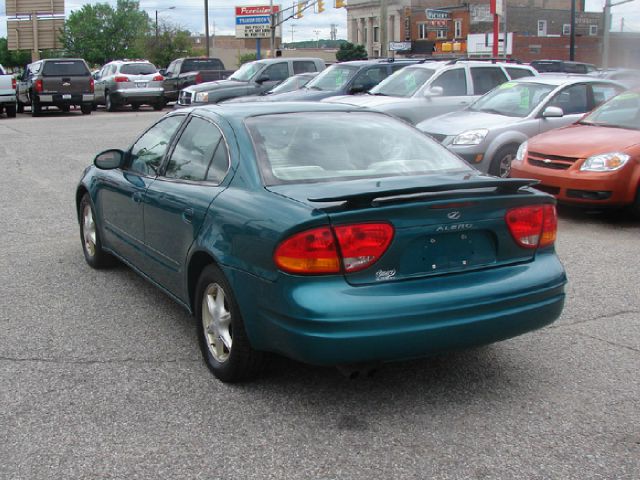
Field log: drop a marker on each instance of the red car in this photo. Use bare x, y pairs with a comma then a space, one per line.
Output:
595, 161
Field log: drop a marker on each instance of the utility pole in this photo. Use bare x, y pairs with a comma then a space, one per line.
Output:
572, 37
206, 26
272, 37
383, 28
292, 30
607, 28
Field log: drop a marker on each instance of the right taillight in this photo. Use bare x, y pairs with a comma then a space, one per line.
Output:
533, 226
325, 250
198, 78
121, 79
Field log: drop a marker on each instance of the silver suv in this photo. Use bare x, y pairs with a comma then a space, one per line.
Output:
422, 91
132, 83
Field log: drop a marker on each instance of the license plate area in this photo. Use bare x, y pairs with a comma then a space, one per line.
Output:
141, 84
66, 96
455, 251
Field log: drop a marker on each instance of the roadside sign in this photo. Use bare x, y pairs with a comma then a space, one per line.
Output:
399, 46
253, 21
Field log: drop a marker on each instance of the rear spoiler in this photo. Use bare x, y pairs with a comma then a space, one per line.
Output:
364, 199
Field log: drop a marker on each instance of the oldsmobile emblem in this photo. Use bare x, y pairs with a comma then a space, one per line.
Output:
454, 215
382, 275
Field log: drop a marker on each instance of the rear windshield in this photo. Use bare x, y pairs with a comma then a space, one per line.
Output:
138, 68
64, 68
340, 146
195, 64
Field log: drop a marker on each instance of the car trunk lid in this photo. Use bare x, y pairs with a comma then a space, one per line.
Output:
442, 224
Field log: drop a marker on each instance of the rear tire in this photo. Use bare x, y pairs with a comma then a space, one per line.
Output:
36, 108
634, 208
90, 237
159, 105
135, 107
11, 111
224, 343
110, 105
65, 108
86, 108
20, 107
501, 163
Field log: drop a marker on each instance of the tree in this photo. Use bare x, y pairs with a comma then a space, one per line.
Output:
12, 59
349, 51
99, 33
246, 57
172, 42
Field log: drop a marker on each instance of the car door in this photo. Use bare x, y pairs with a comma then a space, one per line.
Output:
176, 204
98, 86
170, 83
455, 93
121, 192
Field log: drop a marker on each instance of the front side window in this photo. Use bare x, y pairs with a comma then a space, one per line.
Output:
340, 146
453, 83
515, 72
200, 154
247, 71
333, 78
572, 100
403, 83
486, 78
145, 157
277, 72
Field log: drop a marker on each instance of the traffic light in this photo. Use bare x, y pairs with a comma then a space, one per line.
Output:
301, 6
320, 6
340, 4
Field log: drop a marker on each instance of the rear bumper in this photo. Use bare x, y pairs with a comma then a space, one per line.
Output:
148, 95
328, 322
581, 188
8, 99
65, 99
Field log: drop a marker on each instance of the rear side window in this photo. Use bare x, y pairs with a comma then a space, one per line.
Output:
200, 154
300, 66
602, 93
65, 68
572, 100
515, 72
138, 69
370, 77
486, 78
195, 64
453, 83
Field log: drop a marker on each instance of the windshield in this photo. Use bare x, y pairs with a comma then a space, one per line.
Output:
403, 83
512, 99
65, 68
333, 78
339, 146
138, 69
246, 71
622, 111
290, 84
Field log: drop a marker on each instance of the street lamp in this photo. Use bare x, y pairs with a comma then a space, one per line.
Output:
317, 32
161, 10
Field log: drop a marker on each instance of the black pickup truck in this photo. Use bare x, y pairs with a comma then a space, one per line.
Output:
184, 72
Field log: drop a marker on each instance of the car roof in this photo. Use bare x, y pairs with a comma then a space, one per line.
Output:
557, 79
240, 111
279, 59
439, 65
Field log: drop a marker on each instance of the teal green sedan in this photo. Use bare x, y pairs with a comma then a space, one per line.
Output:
326, 233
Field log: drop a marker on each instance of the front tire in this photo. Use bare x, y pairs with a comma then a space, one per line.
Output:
90, 237
501, 163
36, 108
86, 108
110, 105
221, 333
159, 105
11, 111
20, 107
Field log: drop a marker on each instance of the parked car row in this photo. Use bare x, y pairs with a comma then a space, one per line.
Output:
7, 93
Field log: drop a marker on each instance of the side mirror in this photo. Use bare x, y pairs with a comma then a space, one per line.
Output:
109, 159
163, 72
262, 78
357, 88
553, 112
434, 91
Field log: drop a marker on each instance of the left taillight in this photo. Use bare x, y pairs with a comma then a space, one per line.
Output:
92, 85
198, 78
326, 250
533, 226
157, 78
13, 83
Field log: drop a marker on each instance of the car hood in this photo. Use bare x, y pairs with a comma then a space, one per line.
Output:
582, 141
455, 123
302, 95
217, 85
371, 101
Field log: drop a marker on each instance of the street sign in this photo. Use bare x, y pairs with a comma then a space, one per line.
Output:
399, 46
254, 21
437, 14
21, 34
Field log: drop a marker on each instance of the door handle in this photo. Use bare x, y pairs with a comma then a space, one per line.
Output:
187, 215
136, 197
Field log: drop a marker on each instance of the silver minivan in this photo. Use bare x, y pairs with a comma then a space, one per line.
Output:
135, 83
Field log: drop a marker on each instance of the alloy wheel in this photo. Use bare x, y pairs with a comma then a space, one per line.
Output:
89, 231
216, 322
505, 165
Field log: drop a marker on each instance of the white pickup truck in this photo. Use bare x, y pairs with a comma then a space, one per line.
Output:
7, 93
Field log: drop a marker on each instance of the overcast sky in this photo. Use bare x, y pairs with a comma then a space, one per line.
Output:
190, 14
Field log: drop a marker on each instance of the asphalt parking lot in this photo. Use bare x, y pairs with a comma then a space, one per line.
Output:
101, 376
